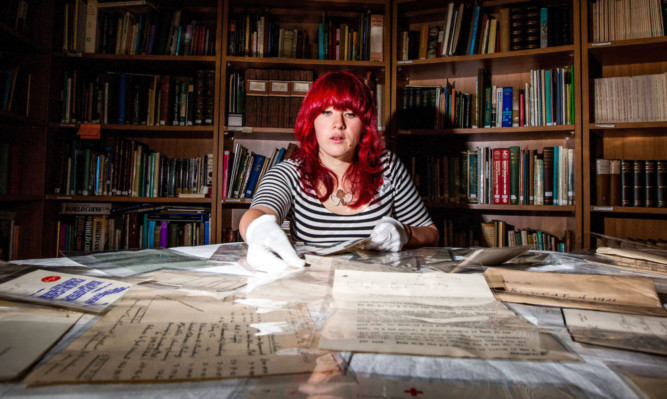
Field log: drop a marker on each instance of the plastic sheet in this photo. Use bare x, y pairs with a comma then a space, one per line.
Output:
598, 373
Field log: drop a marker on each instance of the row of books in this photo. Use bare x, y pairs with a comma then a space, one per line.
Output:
548, 99
257, 34
627, 182
470, 29
128, 168
627, 19
107, 28
96, 227
502, 176
9, 236
243, 169
340, 40
15, 90
10, 168
269, 98
498, 233
641, 98
137, 99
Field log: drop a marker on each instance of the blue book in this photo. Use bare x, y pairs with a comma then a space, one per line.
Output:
280, 156
178, 42
207, 232
151, 234
257, 165
473, 40
547, 95
122, 89
151, 40
507, 107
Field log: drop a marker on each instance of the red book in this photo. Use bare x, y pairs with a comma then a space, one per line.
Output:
497, 155
505, 176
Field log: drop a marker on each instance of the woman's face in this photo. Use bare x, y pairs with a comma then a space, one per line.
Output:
338, 133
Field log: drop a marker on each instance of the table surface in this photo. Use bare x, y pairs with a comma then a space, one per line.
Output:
599, 372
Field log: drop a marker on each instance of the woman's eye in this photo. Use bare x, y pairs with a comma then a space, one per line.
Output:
326, 112
350, 114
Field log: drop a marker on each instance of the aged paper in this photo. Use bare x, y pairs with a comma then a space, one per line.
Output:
195, 280
492, 256
26, 333
160, 335
634, 332
91, 294
432, 314
584, 291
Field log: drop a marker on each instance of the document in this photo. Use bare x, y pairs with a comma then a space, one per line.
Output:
583, 291
432, 314
26, 333
194, 280
634, 332
160, 335
47, 287
492, 256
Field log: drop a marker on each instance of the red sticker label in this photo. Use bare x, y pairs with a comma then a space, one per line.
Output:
50, 279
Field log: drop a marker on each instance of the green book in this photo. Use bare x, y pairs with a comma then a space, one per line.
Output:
515, 167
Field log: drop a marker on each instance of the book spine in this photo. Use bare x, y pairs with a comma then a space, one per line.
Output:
650, 177
548, 176
515, 166
661, 179
602, 182
638, 190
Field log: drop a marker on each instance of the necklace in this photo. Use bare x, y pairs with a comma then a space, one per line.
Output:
341, 197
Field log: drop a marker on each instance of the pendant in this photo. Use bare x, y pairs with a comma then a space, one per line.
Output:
341, 197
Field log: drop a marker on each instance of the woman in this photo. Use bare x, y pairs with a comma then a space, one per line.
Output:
339, 185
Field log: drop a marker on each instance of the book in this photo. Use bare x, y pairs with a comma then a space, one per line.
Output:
515, 164
602, 182
650, 183
254, 172
661, 181
615, 182
376, 37
638, 179
548, 175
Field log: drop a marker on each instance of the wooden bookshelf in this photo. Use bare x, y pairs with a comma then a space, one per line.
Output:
623, 56
304, 16
25, 54
180, 141
505, 68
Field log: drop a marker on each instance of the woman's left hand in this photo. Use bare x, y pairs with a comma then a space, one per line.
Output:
388, 235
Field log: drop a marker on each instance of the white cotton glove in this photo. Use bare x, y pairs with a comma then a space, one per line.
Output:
388, 235
266, 239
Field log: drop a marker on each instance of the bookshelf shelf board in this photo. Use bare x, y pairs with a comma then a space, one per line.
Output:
507, 208
20, 42
251, 130
144, 128
628, 126
104, 198
19, 198
491, 130
495, 63
241, 203
205, 59
629, 209
629, 51
242, 63
14, 117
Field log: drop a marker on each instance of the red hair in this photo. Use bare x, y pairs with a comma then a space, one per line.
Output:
343, 91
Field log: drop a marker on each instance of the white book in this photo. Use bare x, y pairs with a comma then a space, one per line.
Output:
447, 29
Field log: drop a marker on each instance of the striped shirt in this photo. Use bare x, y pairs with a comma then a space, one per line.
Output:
312, 223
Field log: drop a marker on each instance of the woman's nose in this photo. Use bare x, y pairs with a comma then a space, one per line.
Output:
339, 121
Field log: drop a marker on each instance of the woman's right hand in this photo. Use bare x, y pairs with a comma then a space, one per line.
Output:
269, 249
